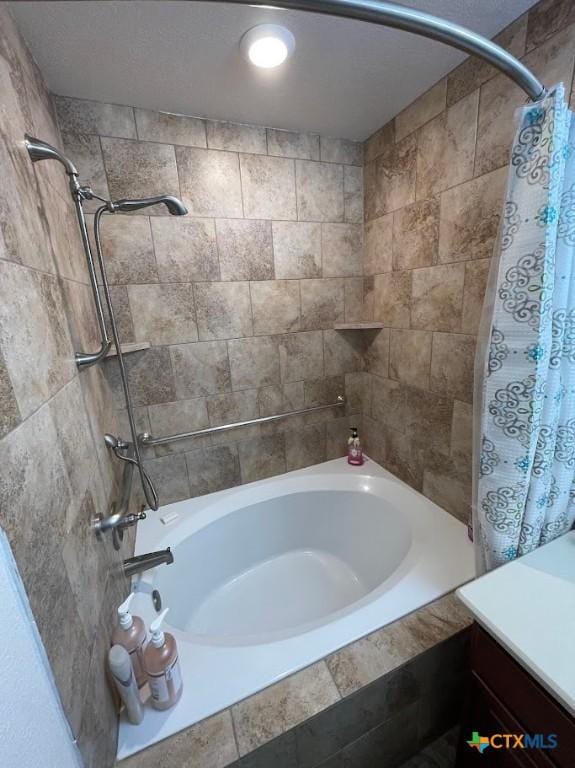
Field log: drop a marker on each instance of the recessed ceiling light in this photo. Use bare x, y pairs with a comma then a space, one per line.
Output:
267, 45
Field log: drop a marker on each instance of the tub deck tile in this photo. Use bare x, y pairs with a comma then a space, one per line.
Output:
282, 706
208, 744
377, 654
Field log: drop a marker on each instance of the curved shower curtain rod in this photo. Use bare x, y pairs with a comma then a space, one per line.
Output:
420, 23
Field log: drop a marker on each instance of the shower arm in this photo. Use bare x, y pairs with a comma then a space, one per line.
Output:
41, 150
419, 23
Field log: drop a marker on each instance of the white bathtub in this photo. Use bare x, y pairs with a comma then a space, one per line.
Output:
272, 576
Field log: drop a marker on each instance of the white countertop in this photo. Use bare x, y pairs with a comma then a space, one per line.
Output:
528, 606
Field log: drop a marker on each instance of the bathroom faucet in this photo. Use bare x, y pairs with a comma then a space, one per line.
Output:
142, 563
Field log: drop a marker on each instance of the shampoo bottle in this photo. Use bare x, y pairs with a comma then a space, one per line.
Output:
162, 666
131, 635
123, 674
354, 449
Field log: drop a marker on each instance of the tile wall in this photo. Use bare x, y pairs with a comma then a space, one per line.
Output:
55, 474
238, 299
434, 183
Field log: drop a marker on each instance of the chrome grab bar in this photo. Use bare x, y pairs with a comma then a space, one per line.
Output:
145, 438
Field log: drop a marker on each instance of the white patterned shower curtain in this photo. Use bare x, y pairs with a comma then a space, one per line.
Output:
524, 419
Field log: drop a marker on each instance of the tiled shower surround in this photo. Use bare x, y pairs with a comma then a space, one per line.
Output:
238, 300
434, 184
55, 473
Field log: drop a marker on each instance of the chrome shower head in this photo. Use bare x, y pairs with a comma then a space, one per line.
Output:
174, 206
41, 150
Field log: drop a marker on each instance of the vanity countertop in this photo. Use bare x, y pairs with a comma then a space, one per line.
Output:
528, 606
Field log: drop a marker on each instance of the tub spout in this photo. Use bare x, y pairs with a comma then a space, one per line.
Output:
143, 563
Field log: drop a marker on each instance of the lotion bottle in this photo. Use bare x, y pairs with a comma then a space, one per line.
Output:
123, 674
131, 635
162, 666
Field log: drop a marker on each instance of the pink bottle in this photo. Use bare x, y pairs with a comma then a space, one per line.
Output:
354, 449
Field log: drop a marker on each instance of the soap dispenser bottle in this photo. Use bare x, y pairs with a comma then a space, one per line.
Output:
162, 666
354, 449
131, 635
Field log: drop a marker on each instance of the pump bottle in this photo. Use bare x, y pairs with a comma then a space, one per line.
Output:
131, 635
162, 666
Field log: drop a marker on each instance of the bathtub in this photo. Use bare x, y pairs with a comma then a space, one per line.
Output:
272, 576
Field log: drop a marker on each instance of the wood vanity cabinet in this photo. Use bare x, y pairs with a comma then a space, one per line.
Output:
504, 698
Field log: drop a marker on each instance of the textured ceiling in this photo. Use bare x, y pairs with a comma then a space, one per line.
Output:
345, 79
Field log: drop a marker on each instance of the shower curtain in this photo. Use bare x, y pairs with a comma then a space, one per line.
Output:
524, 418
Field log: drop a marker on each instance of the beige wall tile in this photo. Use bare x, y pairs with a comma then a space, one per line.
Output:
416, 234
446, 148
169, 128
552, 62
88, 159
150, 377
185, 249
208, 744
213, 469
475, 71
260, 458
388, 403
377, 353
319, 191
342, 352
200, 369
429, 415
280, 398
377, 142
389, 180
254, 362
410, 357
176, 417
232, 407
378, 245
305, 447
297, 249
452, 365
300, 146
323, 391
275, 306
437, 297
67, 249
470, 216
128, 249
83, 116
223, 310
245, 249
476, 274
462, 432
210, 182
36, 340
170, 473
546, 18
268, 187
9, 411
322, 302
282, 706
163, 314
236, 137
140, 169
353, 193
301, 356
392, 299
449, 492
358, 299
342, 249
340, 151
421, 111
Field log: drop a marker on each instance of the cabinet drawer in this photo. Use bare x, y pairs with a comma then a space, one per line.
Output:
532, 707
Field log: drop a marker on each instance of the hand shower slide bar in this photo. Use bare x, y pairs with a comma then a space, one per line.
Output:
147, 439
41, 150
419, 23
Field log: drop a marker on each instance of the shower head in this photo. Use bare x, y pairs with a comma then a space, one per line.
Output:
174, 206
41, 150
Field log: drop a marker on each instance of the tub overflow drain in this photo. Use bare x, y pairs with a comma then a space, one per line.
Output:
157, 600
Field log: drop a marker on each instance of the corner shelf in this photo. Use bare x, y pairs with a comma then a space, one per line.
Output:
134, 346
368, 326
